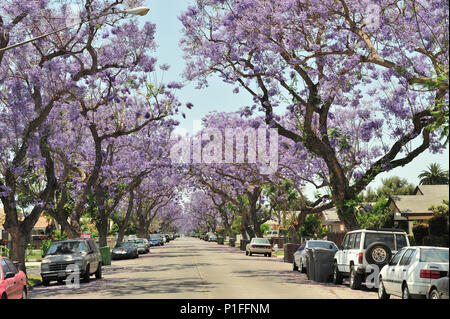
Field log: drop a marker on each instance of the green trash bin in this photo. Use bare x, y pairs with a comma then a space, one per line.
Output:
220, 240
105, 252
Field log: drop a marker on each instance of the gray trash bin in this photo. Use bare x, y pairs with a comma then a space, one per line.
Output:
323, 264
310, 265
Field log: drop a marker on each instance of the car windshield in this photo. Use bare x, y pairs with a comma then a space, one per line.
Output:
125, 244
66, 247
139, 241
322, 244
434, 255
387, 239
261, 241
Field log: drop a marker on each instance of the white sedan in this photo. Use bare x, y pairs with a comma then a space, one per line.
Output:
259, 246
411, 271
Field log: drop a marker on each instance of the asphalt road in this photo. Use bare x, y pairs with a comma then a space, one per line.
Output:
189, 268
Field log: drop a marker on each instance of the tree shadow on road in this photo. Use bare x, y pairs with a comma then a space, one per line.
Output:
124, 288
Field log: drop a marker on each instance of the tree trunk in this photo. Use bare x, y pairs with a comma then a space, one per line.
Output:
102, 227
20, 240
124, 223
293, 234
347, 215
66, 226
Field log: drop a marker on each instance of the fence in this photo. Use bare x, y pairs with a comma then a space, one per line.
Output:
289, 250
336, 237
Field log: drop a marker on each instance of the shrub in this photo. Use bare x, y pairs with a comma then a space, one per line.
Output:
437, 241
412, 242
420, 231
438, 225
45, 245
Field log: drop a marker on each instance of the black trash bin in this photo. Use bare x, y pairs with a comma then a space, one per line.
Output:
310, 265
323, 259
232, 242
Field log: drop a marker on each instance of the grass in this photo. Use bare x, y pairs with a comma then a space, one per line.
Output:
278, 253
33, 256
34, 280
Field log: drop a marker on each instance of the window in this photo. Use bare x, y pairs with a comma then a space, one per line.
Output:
406, 257
4, 267
401, 241
387, 239
396, 257
357, 241
346, 241
351, 241
11, 266
435, 255
322, 244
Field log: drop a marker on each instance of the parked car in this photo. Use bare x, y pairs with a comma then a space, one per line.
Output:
171, 236
438, 289
142, 244
212, 237
300, 261
365, 247
13, 282
411, 271
259, 246
64, 253
155, 240
167, 237
272, 233
125, 250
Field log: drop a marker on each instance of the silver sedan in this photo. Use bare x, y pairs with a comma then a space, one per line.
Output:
259, 246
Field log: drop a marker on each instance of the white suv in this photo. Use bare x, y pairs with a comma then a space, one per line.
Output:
365, 247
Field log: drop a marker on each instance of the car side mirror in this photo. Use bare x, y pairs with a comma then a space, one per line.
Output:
9, 275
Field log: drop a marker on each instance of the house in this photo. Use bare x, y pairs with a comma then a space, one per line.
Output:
331, 221
416, 208
38, 229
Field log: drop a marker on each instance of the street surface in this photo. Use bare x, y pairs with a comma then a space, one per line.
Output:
189, 268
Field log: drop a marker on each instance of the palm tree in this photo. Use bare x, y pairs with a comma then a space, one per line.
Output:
435, 175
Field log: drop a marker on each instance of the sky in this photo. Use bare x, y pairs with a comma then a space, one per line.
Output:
219, 96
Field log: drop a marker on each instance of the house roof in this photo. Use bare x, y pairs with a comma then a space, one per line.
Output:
330, 216
432, 190
417, 204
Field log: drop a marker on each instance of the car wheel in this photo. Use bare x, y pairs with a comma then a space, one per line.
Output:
378, 253
355, 280
250, 253
382, 291
45, 282
4, 296
269, 254
434, 294
24, 293
246, 253
301, 268
337, 276
87, 275
294, 266
405, 292
98, 273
